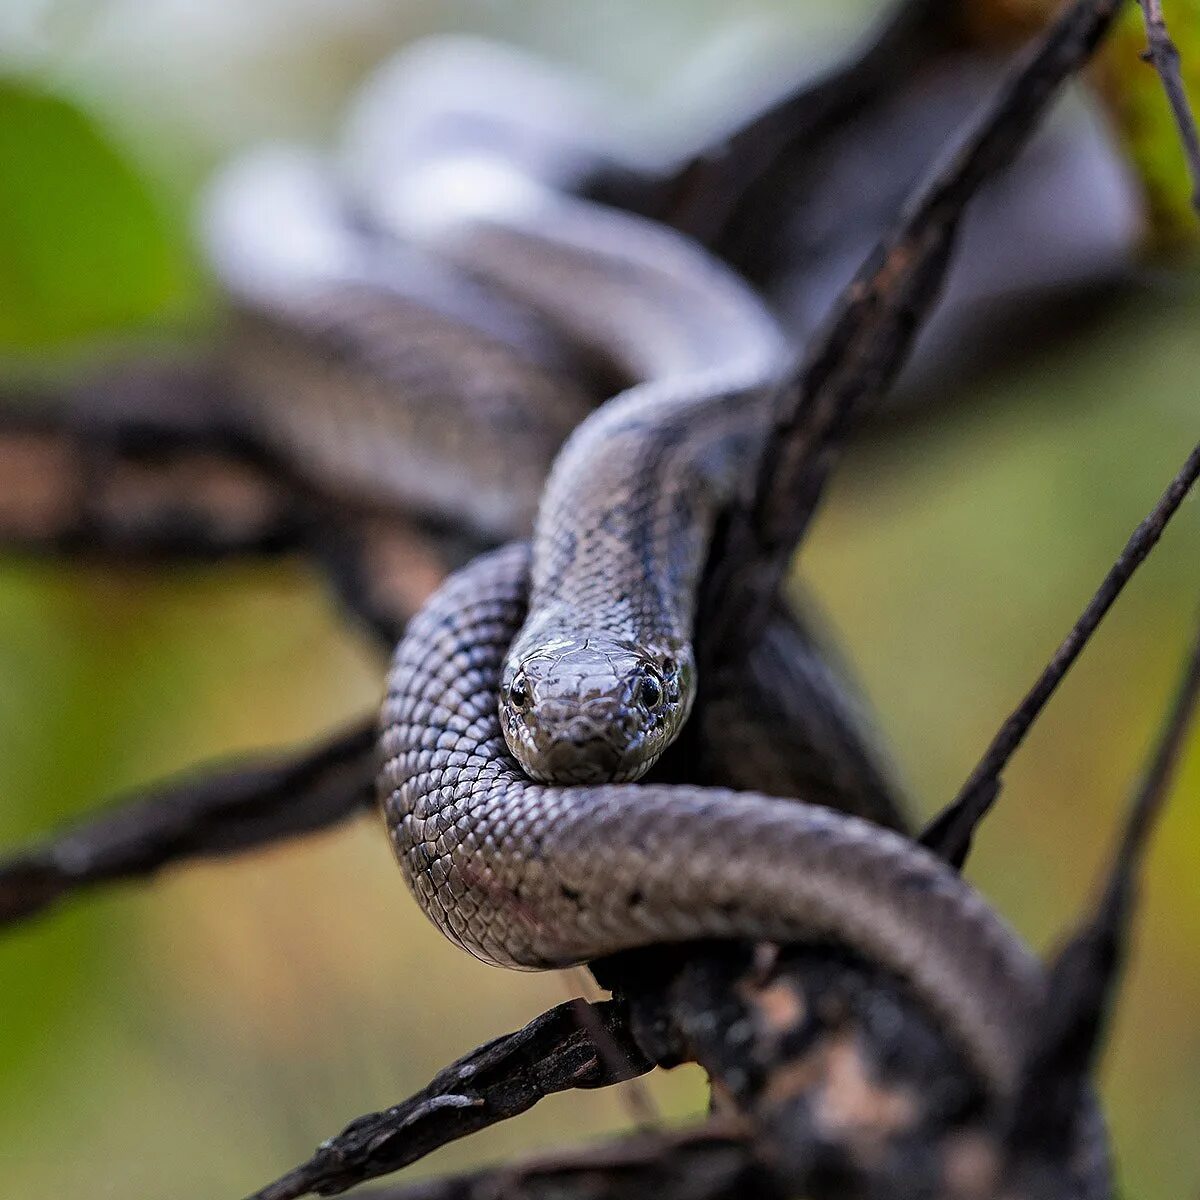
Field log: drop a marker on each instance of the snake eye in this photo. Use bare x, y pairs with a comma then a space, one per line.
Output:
518, 692
650, 691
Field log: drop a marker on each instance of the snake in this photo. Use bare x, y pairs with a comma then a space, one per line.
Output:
413, 384
538, 685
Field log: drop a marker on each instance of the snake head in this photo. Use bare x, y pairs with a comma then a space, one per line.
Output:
597, 712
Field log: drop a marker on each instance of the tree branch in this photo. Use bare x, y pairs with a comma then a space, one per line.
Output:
223, 812
1085, 972
949, 834
576, 1045
1162, 53
708, 1163
874, 325
94, 470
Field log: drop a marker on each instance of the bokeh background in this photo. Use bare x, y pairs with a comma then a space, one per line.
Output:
194, 1037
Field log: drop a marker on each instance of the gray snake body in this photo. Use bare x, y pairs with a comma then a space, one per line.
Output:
400, 372
602, 677
580, 864
533, 874
527, 875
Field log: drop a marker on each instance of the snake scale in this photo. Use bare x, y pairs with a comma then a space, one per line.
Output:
576, 657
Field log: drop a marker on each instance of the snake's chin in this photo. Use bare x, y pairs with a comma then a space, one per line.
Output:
584, 773
578, 752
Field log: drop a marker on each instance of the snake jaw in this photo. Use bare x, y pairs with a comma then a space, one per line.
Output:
593, 713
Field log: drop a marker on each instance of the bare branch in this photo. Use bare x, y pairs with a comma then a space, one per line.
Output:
950, 833
89, 472
237, 807
719, 191
872, 330
1162, 53
575, 1045
708, 1163
1085, 972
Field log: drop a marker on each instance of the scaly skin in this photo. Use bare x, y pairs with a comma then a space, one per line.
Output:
379, 371
439, 377
602, 677
525, 875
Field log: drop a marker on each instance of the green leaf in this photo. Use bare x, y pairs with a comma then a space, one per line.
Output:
84, 247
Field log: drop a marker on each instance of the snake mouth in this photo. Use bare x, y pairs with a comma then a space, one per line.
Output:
597, 747
578, 771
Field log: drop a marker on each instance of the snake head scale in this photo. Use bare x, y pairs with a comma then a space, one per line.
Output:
596, 711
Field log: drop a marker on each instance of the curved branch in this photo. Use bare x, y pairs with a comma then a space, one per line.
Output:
576, 1045
223, 812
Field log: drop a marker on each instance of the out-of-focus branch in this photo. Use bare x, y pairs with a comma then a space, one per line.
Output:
1163, 54
1085, 973
576, 1045
708, 1163
874, 325
712, 195
221, 812
138, 462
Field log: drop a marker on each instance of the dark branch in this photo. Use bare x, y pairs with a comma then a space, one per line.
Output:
722, 188
874, 325
576, 1045
1085, 973
1158, 777
145, 463
709, 1163
236, 808
950, 833
140, 462
1163, 54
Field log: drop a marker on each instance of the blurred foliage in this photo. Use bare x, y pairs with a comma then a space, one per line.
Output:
1143, 117
191, 1037
85, 248
1133, 94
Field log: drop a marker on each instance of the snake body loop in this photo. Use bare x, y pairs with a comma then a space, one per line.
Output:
405, 373
602, 676
526, 875
579, 663
384, 371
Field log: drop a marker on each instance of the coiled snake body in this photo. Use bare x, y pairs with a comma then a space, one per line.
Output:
596, 672
532, 874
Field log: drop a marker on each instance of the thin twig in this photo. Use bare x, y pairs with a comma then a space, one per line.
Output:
951, 831
1084, 974
1162, 53
1156, 781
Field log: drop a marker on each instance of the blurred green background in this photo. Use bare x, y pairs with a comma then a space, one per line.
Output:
195, 1037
